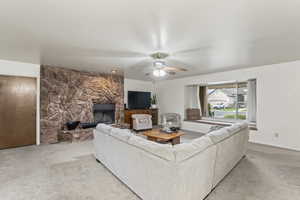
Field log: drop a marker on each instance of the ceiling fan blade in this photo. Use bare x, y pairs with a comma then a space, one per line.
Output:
175, 69
144, 64
191, 51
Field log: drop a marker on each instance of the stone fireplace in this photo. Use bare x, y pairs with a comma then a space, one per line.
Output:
104, 113
70, 95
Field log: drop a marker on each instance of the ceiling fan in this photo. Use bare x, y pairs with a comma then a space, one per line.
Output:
160, 66
155, 65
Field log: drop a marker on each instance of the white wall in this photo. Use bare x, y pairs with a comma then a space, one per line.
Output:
28, 70
278, 95
137, 85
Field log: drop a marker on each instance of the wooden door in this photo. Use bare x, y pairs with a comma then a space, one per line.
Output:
17, 111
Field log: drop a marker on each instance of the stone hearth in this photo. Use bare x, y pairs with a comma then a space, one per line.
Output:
70, 95
76, 135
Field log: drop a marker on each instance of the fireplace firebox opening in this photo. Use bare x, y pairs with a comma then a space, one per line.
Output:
104, 113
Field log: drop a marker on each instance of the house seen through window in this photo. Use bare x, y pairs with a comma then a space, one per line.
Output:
227, 101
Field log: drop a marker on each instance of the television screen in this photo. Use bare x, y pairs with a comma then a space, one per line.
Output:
139, 100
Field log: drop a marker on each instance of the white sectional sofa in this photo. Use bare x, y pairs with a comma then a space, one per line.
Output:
156, 171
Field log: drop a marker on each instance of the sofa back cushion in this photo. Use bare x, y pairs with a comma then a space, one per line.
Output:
237, 127
185, 151
104, 128
219, 135
121, 134
224, 133
164, 151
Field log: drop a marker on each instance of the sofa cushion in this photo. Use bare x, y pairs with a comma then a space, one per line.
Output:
233, 128
187, 150
243, 125
237, 127
121, 134
104, 128
164, 151
219, 135
215, 128
143, 121
141, 116
222, 134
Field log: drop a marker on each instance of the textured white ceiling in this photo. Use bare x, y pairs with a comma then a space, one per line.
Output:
201, 35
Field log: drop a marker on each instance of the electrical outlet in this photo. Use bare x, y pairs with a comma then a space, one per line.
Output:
276, 135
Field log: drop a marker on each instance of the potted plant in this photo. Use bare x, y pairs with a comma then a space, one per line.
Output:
154, 102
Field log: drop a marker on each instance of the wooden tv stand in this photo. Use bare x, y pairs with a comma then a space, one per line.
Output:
152, 112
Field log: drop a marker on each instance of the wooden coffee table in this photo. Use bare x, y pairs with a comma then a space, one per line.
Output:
158, 136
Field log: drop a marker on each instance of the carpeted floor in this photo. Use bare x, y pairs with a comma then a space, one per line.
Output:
69, 172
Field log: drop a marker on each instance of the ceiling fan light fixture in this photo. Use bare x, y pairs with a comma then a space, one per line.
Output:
159, 63
159, 73
114, 71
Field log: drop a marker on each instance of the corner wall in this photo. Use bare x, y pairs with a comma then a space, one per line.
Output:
278, 97
11, 68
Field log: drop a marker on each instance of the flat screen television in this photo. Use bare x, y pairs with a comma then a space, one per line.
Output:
139, 100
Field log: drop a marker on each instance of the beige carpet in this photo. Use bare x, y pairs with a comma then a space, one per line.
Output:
69, 172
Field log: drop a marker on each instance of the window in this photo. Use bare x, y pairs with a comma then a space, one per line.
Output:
223, 102
226, 102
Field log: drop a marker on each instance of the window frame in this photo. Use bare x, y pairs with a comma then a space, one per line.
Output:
236, 104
